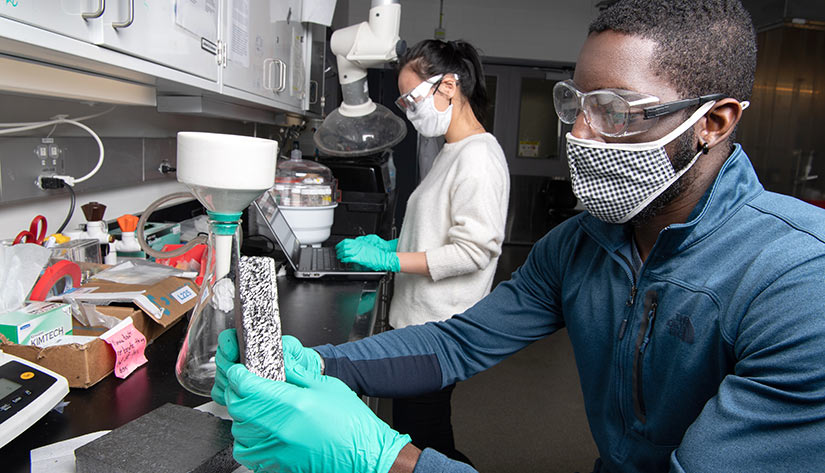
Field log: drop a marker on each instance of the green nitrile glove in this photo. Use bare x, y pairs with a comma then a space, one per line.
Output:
226, 356
297, 354
378, 242
365, 254
316, 424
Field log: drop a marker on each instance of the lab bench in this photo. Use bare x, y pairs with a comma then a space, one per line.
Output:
315, 311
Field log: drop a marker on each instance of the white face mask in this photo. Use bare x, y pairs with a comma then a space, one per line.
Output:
428, 121
616, 181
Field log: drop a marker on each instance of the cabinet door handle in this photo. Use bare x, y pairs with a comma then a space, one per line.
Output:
268, 63
282, 76
314, 100
95, 14
129, 20
268, 73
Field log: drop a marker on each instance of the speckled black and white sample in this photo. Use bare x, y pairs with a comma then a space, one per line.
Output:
259, 327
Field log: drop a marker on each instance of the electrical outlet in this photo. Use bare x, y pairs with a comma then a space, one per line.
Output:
50, 156
48, 182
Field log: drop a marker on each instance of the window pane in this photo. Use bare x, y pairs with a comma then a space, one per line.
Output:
538, 132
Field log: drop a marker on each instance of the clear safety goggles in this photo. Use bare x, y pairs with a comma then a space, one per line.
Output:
616, 112
411, 99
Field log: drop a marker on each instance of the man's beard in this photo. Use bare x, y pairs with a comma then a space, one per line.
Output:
684, 155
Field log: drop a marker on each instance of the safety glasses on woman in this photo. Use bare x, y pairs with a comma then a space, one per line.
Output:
419, 106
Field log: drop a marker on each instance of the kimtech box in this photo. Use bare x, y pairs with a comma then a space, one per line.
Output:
37, 323
86, 362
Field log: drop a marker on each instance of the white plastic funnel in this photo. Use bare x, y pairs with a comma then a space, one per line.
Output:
226, 172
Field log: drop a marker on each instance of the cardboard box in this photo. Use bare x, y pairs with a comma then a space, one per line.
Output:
85, 364
36, 323
82, 365
164, 302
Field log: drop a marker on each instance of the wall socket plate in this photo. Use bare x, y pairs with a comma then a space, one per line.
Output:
128, 161
51, 157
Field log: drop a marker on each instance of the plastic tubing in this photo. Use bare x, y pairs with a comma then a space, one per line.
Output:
141, 236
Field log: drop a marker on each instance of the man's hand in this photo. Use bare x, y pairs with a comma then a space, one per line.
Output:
226, 356
316, 424
296, 354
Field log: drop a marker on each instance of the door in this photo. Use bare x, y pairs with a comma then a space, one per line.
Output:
317, 47
261, 40
79, 19
182, 35
523, 119
249, 34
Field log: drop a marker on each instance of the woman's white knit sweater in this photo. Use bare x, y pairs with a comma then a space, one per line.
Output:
457, 216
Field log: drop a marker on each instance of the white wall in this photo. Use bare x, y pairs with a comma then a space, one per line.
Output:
16, 217
549, 30
124, 121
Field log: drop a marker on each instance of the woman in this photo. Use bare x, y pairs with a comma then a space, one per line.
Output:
453, 229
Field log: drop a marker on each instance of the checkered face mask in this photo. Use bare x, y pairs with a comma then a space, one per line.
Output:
616, 181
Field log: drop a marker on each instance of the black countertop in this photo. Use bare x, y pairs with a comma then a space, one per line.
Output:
316, 312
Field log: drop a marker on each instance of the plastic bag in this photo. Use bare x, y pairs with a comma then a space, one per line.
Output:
20, 268
88, 315
141, 272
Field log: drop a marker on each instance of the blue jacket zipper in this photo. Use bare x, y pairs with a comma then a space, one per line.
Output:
621, 452
632, 297
642, 341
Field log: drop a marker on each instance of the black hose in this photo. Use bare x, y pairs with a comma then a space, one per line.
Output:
71, 210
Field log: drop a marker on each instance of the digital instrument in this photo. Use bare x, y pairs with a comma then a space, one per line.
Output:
27, 393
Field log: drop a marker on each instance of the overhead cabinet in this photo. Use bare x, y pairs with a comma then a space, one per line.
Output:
179, 34
250, 51
79, 19
265, 50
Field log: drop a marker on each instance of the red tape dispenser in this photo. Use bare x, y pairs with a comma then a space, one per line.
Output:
53, 278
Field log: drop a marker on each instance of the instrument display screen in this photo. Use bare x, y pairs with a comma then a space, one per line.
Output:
7, 387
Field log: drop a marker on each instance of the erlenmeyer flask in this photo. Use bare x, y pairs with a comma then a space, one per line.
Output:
215, 308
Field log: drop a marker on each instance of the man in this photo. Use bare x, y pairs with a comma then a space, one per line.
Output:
693, 298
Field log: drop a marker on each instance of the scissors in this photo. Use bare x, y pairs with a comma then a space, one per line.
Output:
36, 232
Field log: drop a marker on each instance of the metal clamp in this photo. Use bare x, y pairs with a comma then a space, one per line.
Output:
129, 20
95, 14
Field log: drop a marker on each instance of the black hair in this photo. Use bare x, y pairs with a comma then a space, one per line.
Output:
703, 46
432, 57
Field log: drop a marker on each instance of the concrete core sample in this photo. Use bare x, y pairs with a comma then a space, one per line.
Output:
259, 322
171, 438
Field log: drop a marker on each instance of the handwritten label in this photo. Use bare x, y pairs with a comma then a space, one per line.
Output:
128, 344
184, 295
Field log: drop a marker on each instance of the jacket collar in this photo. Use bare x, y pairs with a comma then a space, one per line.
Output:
734, 186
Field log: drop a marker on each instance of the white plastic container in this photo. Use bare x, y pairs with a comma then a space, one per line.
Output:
312, 225
303, 183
